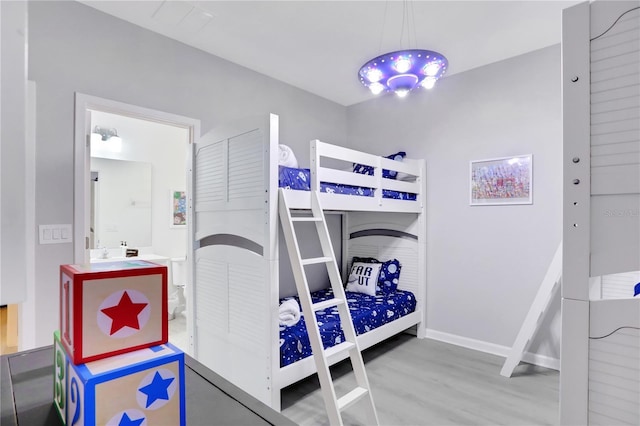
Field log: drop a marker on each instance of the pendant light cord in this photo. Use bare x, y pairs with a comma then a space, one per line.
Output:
405, 19
408, 20
384, 22
408, 25
413, 21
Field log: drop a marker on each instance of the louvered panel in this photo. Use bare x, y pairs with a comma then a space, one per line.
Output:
609, 369
625, 23
247, 293
613, 387
615, 110
614, 97
632, 113
613, 83
210, 295
625, 357
246, 168
209, 174
618, 148
626, 102
622, 159
596, 419
614, 378
626, 44
625, 389
618, 286
358, 250
615, 415
618, 179
616, 126
381, 250
625, 405
409, 270
623, 336
617, 68
620, 39
613, 359
610, 138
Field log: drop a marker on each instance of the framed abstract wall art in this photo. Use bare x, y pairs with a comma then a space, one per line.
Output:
497, 181
178, 209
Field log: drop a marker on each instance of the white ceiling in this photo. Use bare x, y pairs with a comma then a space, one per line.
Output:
319, 46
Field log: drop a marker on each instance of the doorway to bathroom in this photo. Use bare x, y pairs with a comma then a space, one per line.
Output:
130, 162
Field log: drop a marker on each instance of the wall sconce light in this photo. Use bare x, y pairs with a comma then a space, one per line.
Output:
106, 139
106, 134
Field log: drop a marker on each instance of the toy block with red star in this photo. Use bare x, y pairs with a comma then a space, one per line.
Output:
111, 308
143, 387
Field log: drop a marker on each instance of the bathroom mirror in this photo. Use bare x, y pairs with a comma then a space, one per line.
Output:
121, 203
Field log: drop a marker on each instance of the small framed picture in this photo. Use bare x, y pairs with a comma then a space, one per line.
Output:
178, 209
497, 181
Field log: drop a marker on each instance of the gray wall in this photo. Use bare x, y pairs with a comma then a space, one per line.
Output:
13, 152
484, 263
74, 48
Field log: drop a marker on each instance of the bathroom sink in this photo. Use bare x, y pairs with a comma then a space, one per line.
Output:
149, 257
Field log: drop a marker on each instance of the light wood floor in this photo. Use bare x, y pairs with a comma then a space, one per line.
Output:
426, 382
4, 347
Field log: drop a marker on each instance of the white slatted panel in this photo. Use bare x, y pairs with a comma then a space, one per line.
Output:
385, 248
615, 108
615, 148
210, 296
619, 286
409, 271
360, 250
246, 175
614, 378
247, 295
209, 174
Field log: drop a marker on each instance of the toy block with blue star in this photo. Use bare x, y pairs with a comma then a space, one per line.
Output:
111, 308
144, 387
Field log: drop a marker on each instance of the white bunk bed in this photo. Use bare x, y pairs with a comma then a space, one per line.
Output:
237, 259
600, 352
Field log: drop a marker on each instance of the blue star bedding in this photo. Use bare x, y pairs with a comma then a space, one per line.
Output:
300, 179
368, 312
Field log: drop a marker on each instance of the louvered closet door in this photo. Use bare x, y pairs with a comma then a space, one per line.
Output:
614, 329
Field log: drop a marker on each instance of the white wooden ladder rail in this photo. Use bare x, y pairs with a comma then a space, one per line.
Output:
334, 405
547, 289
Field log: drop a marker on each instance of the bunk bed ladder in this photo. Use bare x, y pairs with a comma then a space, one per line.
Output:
334, 405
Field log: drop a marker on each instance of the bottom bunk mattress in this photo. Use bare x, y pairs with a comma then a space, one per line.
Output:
367, 312
300, 179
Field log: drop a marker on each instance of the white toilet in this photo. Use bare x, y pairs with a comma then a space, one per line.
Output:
176, 300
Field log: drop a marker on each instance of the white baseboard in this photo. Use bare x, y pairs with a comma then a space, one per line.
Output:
492, 348
542, 360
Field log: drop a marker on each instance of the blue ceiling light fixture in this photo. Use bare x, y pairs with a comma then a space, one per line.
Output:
403, 70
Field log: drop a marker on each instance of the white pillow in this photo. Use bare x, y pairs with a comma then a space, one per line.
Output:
286, 157
405, 177
364, 278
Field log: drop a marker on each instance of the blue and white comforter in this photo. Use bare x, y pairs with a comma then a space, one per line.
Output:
300, 179
368, 312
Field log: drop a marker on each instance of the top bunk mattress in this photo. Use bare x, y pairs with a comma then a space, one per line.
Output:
300, 179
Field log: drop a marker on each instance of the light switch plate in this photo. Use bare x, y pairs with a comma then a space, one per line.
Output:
55, 234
